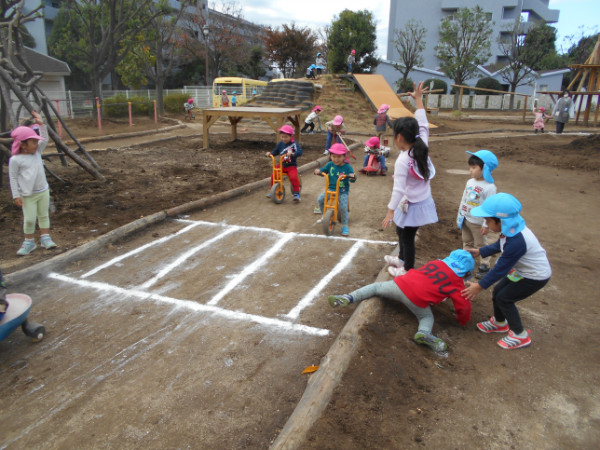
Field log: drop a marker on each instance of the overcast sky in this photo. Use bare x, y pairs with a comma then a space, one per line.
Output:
576, 17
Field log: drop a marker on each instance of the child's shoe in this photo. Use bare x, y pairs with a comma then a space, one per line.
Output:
491, 326
363, 170
393, 261
27, 247
434, 343
296, 197
340, 300
512, 340
326, 152
396, 271
483, 270
383, 173
269, 194
317, 210
345, 231
47, 242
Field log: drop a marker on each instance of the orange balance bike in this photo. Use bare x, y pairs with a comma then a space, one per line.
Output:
277, 193
331, 212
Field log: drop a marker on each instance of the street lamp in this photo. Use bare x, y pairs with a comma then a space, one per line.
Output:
205, 31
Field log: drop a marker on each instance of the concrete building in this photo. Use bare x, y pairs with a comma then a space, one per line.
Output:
431, 12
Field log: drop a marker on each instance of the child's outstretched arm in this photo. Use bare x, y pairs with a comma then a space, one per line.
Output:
38, 119
417, 94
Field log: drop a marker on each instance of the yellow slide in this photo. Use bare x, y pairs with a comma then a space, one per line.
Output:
378, 91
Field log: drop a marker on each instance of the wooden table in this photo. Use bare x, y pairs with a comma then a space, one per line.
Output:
275, 117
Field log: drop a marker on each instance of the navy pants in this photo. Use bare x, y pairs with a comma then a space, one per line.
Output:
506, 293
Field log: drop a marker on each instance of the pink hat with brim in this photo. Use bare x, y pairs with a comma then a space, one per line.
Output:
338, 149
373, 142
383, 108
21, 134
338, 120
317, 108
287, 129
191, 100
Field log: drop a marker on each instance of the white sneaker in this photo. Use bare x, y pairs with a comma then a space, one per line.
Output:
396, 271
393, 261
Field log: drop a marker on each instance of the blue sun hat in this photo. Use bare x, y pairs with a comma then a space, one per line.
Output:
504, 207
490, 162
461, 262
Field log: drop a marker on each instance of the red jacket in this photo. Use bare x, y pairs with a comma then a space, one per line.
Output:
431, 284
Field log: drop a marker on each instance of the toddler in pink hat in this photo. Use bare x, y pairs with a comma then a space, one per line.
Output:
335, 127
30, 189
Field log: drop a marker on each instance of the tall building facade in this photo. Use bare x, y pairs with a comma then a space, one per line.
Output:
430, 13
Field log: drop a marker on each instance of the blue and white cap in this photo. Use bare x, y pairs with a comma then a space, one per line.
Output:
490, 162
504, 207
461, 262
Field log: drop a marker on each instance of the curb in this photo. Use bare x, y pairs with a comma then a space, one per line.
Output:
323, 382
42, 268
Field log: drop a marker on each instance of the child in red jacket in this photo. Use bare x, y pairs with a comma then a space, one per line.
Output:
420, 288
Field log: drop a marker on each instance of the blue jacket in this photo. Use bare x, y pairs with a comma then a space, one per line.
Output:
282, 148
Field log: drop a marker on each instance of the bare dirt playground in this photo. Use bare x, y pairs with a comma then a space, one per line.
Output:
395, 394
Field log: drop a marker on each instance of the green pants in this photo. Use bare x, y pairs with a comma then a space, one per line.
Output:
36, 207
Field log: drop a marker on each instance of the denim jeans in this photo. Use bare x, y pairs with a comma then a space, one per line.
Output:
330, 138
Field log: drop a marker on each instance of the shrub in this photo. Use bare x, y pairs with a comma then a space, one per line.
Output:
173, 103
117, 106
488, 83
437, 84
404, 87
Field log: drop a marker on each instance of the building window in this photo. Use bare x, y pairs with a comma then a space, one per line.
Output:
524, 16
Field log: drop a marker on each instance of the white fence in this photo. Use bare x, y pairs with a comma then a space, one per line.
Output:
488, 102
81, 104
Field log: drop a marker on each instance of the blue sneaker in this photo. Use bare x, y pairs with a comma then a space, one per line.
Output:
296, 197
27, 247
47, 242
269, 195
345, 231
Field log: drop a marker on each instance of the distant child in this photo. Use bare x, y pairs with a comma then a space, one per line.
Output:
373, 146
320, 64
540, 119
382, 121
3, 302
310, 119
189, 108
334, 168
310, 72
224, 99
522, 269
291, 150
351, 60
420, 288
479, 187
233, 99
30, 189
335, 127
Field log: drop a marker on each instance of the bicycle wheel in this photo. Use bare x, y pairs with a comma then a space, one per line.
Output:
278, 193
328, 222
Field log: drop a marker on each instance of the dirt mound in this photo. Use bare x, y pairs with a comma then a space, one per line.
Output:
589, 143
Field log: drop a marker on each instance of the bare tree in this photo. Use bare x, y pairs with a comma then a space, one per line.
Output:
410, 44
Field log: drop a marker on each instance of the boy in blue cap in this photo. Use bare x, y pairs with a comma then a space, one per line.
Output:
479, 187
420, 288
523, 268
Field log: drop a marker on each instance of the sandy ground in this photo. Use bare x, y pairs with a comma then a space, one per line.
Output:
199, 338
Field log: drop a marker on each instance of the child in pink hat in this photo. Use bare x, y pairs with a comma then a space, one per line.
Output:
310, 119
224, 99
382, 121
334, 168
540, 119
30, 189
335, 127
189, 109
373, 145
292, 150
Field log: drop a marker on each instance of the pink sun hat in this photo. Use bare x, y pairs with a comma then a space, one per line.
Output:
337, 120
21, 134
338, 149
191, 100
373, 142
287, 129
383, 108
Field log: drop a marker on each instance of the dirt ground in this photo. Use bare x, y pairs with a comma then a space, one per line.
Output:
396, 394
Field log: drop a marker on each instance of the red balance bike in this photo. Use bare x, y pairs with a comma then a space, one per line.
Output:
373, 166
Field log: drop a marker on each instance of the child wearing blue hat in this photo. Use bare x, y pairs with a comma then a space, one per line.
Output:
522, 269
234, 99
479, 187
420, 288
